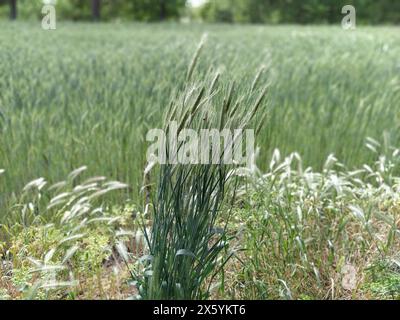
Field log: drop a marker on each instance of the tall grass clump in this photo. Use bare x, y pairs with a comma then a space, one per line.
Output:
189, 213
317, 235
57, 237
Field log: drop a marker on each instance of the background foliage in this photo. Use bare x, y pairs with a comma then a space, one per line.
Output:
140, 10
296, 11
231, 11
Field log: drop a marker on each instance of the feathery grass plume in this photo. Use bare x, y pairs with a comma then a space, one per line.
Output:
196, 57
214, 82
189, 235
226, 104
257, 78
62, 202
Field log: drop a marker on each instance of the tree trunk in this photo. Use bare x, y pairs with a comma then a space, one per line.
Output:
96, 10
13, 9
163, 10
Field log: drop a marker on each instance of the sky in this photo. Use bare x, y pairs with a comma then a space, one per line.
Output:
196, 3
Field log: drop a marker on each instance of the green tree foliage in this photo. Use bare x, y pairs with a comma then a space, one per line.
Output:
229, 11
298, 11
141, 10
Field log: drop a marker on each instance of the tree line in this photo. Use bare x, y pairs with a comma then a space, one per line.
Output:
298, 11
141, 10
229, 11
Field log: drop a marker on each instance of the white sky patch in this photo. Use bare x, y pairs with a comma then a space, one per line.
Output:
196, 3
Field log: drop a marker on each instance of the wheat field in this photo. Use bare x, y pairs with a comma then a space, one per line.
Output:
87, 96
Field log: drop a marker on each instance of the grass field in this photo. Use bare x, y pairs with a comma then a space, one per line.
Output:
86, 95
